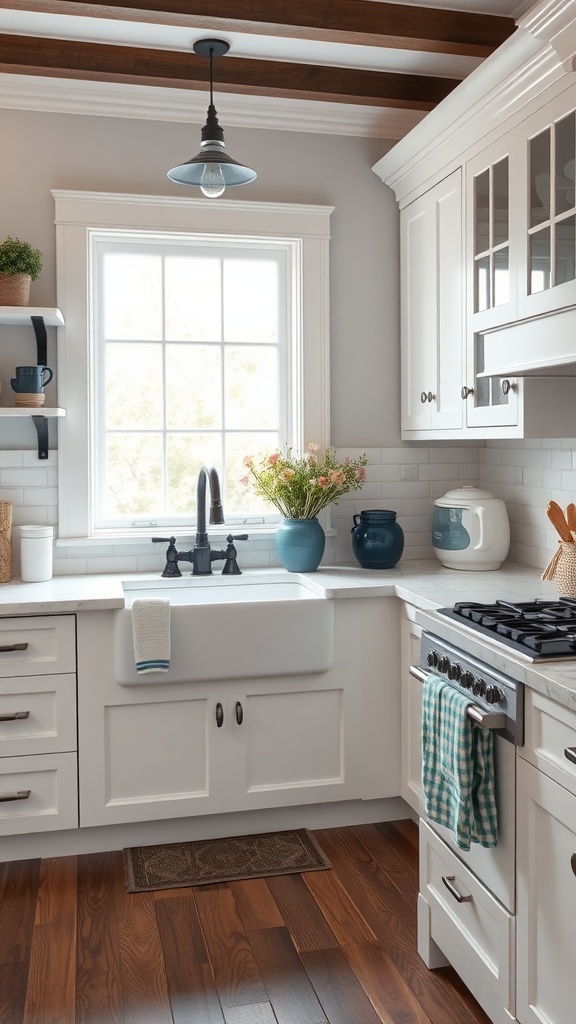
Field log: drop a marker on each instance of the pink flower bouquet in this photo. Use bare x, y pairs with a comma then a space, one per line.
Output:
301, 486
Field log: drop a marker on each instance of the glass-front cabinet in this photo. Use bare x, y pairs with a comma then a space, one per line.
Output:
491, 299
548, 244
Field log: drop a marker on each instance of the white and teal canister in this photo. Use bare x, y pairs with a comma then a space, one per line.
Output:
470, 529
377, 539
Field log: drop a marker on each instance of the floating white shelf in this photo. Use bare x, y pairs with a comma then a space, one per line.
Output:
40, 411
14, 315
39, 318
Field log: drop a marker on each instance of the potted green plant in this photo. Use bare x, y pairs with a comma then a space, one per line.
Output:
20, 263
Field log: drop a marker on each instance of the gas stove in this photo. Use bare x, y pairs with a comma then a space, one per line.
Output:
541, 630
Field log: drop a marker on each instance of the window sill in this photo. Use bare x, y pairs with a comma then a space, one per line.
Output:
215, 537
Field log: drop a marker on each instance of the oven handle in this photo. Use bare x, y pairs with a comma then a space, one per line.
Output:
487, 719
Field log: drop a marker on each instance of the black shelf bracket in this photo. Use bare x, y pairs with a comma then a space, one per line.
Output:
41, 339
41, 424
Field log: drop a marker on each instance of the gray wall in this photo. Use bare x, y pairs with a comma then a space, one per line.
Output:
45, 151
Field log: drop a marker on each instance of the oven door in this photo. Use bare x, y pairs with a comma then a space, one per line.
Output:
494, 866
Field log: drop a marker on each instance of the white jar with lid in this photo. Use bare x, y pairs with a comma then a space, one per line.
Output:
36, 553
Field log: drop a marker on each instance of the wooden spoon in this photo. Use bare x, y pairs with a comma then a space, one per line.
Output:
556, 517
571, 517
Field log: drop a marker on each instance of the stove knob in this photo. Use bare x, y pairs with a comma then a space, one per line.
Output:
491, 694
430, 658
479, 688
467, 680
452, 669
444, 664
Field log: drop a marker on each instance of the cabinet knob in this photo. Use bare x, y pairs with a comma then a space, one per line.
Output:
466, 392
219, 715
573, 862
570, 754
239, 713
507, 386
427, 396
423, 397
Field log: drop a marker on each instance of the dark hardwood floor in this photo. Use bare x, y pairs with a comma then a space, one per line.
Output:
326, 947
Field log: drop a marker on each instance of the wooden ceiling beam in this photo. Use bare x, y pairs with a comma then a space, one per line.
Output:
362, 22
144, 66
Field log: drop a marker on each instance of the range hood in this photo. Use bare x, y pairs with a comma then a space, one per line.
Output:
544, 346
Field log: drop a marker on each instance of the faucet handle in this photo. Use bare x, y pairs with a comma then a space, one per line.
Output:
231, 565
171, 568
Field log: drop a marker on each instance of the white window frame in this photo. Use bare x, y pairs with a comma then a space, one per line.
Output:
77, 214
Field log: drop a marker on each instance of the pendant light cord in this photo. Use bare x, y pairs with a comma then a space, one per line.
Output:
211, 95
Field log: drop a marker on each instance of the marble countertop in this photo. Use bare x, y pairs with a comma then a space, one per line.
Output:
425, 584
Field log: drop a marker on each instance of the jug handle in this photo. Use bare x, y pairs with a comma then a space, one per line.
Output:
356, 520
482, 513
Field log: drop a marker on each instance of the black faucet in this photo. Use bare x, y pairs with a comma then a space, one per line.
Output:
201, 555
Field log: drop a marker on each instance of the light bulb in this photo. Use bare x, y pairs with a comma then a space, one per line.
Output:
212, 182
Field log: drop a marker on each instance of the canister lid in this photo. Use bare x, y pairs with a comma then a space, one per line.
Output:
36, 531
464, 496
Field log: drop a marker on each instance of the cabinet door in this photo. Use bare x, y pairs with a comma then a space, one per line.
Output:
410, 713
492, 249
546, 881
548, 240
432, 275
291, 743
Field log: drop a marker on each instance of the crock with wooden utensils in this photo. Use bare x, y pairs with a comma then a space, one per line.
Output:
562, 566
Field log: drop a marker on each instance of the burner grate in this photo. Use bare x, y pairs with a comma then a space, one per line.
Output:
541, 628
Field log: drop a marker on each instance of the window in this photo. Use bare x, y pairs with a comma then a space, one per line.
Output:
195, 333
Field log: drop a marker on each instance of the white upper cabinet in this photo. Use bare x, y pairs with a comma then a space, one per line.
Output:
432, 274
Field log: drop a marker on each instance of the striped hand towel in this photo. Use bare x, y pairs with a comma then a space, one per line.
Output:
458, 766
151, 632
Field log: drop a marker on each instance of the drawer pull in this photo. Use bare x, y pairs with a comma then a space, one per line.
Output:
12, 716
22, 794
12, 647
239, 713
219, 715
570, 753
448, 879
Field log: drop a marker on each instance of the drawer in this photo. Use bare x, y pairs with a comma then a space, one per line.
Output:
47, 793
550, 732
50, 645
37, 715
477, 935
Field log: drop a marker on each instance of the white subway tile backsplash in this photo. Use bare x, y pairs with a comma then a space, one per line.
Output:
407, 480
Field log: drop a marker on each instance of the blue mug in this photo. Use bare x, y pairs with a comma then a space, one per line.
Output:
31, 380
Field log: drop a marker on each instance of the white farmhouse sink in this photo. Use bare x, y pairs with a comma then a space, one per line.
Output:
230, 629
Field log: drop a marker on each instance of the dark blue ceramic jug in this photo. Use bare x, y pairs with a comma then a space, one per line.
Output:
377, 539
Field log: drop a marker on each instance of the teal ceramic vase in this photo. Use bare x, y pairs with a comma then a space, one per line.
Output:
300, 544
377, 539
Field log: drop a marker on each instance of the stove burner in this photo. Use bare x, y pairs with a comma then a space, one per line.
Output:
540, 628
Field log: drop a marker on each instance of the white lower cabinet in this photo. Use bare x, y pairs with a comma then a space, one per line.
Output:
168, 750
38, 761
546, 865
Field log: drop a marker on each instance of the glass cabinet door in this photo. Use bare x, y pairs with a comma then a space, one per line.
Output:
492, 287
550, 233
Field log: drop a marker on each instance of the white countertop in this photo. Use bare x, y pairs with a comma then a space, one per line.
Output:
425, 584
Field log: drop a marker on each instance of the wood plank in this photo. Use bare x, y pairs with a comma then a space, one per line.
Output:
256, 1013
51, 992
146, 66
13, 980
256, 904
408, 829
386, 913
236, 974
98, 993
342, 997
145, 996
190, 980
291, 993
342, 914
384, 24
20, 880
304, 919
387, 850
389, 993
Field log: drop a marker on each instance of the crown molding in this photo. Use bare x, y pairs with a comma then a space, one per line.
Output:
110, 99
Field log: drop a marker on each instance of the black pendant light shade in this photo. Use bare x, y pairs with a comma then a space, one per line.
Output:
212, 170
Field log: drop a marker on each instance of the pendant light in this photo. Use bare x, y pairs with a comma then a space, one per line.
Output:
212, 170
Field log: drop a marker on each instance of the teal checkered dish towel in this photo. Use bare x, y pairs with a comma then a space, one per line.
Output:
458, 766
